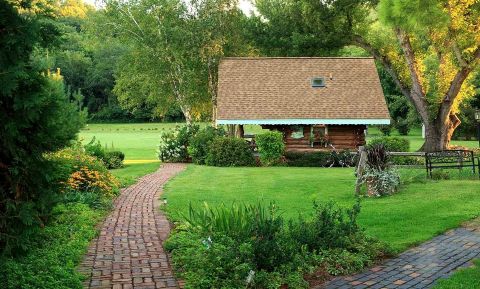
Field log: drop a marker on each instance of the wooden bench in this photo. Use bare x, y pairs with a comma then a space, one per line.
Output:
450, 159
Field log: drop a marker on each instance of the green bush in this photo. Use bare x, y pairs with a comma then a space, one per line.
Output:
200, 143
332, 227
321, 159
386, 129
403, 126
174, 143
270, 146
94, 148
440, 174
249, 245
113, 159
229, 152
84, 178
36, 117
392, 144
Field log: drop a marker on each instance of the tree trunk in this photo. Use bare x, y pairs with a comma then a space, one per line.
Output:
186, 113
439, 133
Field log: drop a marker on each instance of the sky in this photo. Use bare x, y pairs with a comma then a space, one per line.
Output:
245, 5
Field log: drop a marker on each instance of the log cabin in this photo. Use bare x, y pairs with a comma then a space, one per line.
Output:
318, 103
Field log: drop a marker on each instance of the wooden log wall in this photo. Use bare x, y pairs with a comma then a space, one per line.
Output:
347, 136
340, 136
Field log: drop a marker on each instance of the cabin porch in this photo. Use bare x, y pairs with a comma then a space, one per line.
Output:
311, 138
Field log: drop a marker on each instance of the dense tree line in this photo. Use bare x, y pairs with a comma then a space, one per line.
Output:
157, 59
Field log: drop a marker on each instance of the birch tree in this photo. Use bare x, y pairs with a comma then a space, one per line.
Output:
175, 49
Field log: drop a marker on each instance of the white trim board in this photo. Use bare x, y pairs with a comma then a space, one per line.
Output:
303, 121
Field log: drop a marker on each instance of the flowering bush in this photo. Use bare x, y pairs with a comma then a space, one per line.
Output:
87, 180
84, 174
174, 143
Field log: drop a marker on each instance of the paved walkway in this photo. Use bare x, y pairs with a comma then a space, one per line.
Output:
421, 266
128, 252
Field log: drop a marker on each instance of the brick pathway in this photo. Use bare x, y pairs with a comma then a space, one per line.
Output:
418, 267
128, 252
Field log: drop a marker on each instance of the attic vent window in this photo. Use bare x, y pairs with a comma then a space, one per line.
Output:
318, 82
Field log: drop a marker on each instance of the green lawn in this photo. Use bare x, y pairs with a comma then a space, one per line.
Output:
421, 210
139, 141
468, 278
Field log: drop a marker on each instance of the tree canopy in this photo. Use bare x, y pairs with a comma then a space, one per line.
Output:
429, 48
175, 50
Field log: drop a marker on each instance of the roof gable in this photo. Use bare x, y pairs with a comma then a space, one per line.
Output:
276, 90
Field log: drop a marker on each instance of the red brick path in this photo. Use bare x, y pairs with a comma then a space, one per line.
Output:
128, 252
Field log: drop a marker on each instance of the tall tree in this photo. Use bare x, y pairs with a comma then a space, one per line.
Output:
175, 49
35, 117
429, 47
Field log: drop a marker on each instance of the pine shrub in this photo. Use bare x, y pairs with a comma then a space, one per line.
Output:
36, 117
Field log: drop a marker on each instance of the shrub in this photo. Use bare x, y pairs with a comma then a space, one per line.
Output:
200, 143
397, 144
386, 130
392, 144
379, 177
94, 148
114, 159
321, 159
229, 152
331, 227
381, 183
270, 146
111, 159
249, 246
36, 117
174, 143
403, 126
85, 177
440, 174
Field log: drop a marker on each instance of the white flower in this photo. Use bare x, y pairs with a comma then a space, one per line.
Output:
250, 276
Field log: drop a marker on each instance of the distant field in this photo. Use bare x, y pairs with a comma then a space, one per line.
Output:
139, 141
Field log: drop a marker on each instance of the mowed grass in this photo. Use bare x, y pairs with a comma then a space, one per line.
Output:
418, 212
139, 141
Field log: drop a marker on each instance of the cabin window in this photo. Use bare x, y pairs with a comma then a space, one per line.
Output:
297, 132
318, 82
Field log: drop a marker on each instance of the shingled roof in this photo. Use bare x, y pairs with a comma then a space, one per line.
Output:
278, 90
